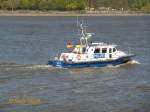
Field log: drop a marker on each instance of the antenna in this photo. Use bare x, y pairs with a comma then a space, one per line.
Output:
78, 26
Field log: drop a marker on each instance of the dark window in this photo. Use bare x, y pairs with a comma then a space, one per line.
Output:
114, 49
110, 50
104, 50
83, 50
110, 55
97, 50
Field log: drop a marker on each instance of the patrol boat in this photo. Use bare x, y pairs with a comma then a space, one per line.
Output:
88, 54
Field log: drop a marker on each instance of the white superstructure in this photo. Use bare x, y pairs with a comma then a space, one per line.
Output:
86, 51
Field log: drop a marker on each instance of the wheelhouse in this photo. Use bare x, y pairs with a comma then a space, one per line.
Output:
102, 51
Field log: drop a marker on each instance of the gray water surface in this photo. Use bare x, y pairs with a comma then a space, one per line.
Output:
26, 44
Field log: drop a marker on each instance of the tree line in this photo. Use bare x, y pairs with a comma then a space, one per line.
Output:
125, 4
42, 4
63, 5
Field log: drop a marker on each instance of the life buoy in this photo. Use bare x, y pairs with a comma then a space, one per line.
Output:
78, 57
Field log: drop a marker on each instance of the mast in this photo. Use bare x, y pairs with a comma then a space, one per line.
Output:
84, 38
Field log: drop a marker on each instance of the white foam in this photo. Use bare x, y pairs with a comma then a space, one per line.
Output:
37, 67
130, 62
134, 62
111, 66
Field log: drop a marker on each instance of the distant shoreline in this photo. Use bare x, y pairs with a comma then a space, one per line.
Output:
70, 13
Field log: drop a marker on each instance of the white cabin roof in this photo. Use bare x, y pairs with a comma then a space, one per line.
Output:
103, 44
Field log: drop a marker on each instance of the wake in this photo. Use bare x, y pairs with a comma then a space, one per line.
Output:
48, 67
24, 66
132, 62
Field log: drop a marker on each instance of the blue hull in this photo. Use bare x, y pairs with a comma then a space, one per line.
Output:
57, 63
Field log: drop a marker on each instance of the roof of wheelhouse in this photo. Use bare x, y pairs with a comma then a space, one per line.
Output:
103, 44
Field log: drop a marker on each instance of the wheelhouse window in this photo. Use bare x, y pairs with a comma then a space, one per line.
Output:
97, 50
104, 50
114, 50
110, 50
